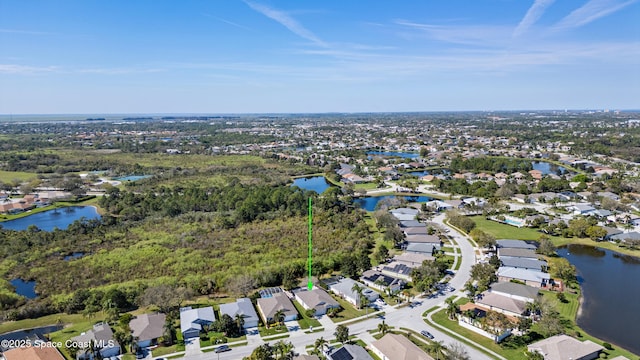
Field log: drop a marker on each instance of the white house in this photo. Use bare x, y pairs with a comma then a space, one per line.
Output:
191, 320
244, 308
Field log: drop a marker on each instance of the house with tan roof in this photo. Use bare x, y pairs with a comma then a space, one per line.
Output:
33, 353
316, 299
147, 328
268, 307
397, 347
502, 304
562, 347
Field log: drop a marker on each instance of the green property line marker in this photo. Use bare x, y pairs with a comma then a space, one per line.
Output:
309, 262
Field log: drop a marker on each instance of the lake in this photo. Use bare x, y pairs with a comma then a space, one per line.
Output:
610, 293
401, 154
370, 203
548, 168
50, 219
132, 178
25, 288
316, 183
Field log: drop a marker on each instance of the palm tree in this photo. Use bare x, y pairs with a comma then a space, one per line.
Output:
320, 345
358, 290
437, 350
364, 301
452, 309
278, 317
383, 328
240, 322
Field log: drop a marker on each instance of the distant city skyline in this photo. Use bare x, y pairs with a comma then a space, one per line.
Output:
217, 57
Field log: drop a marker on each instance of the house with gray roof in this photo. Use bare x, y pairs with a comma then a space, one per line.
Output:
411, 223
562, 347
192, 320
380, 281
513, 252
101, 336
244, 308
343, 288
398, 270
635, 236
529, 277
416, 230
397, 347
524, 263
146, 329
422, 238
581, 209
515, 290
515, 244
349, 352
316, 299
422, 248
268, 307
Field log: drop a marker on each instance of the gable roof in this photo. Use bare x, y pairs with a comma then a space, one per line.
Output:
344, 287
33, 353
148, 326
561, 347
242, 306
410, 223
422, 238
415, 230
398, 347
373, 276
100, 333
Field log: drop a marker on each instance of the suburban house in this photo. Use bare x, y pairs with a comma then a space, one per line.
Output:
404, 214
349, 352
529, 277
380, 281
625, 237
147, 328
102, 337
514, 244
344, 289
422, 238
515, 291
422, 248
268, 307
192, 320
474, 317
397, 347
561, 347
398, 270
317, 299
415, 230
524, 263
411, 259
411, 223
502, 304
244, 308
581, 209
514, 252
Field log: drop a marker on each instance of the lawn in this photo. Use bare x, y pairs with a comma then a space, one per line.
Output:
74, 326
348, 311
10, 176
366, 186
213, 336
305, 321
273, 330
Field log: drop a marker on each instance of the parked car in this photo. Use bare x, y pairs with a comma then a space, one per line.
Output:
222, 348
427, 334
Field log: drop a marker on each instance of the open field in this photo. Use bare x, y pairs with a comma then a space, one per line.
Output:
10, 176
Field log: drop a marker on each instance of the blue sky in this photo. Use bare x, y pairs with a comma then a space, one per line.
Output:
228, 56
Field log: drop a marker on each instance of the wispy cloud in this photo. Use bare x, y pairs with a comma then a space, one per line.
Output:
227, 21
481, 35
25, 69
591, 11
25, 32
287, 21
533, 14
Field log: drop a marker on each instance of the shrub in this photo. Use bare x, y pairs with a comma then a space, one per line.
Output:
607, 346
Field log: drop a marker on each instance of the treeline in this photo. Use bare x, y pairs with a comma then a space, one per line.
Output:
490, 164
